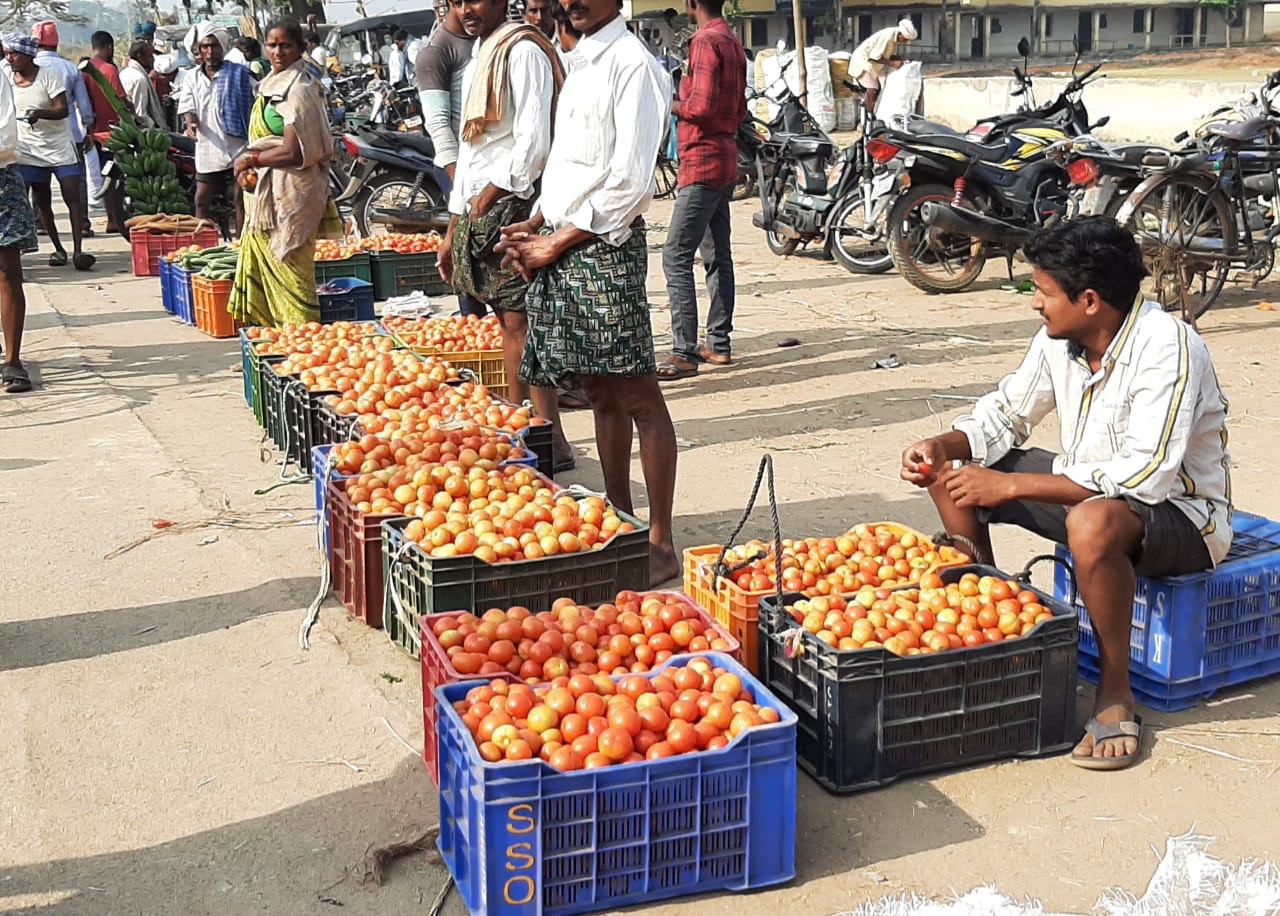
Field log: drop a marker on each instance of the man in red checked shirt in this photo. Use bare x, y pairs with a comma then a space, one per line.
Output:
711, 105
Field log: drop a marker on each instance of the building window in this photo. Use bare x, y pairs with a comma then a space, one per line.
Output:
1048, 25
1139, 22
917, 19
759, 33
1102, 21
996, 29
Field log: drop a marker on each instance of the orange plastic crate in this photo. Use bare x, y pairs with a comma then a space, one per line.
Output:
210, 299
146, 248
736, 608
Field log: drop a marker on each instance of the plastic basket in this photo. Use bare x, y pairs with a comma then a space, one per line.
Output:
522, 838
397, 274
273, 386
537, 439
357, 266
488, 365
248, 366
738, 608
211, 298
868, 717
332, 426
353, 303
419, 585
299, 408
438, 670
146, 248
1193, 635
183, 299
166, 285
355, 562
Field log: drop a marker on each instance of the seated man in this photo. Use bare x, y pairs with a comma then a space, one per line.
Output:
1143, 485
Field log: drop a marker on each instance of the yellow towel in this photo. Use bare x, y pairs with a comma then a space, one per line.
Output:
485, 98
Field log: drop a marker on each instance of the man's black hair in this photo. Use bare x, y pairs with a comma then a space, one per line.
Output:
1093, 252
313, 38
100, 40
139, 49
401, 35
250, 47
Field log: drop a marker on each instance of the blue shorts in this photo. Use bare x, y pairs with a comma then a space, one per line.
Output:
41, 174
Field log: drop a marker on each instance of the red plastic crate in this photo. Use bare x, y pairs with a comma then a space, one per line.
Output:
438, 670
146, 248
355, 556
210, 299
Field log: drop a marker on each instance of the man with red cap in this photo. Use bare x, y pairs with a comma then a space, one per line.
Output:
81, 117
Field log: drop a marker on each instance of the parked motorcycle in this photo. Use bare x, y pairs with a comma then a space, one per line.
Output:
394, 181
965, 200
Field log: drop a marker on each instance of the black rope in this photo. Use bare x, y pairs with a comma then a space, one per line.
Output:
1025, 576
720, 571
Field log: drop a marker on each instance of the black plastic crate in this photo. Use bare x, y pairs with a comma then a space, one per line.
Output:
300, 409
329, 426
868, 717
418, 584
273, 416
537, 439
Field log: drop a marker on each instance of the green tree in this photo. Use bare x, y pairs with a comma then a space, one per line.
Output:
23, 12
1229, 10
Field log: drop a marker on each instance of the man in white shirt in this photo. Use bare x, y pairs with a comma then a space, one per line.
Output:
586, 254
1143, 485
81, 116
508, 91
136, 79
398, 68
873, 59
17, 233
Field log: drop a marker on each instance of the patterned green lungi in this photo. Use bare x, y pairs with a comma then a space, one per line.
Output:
589, 315
477, 268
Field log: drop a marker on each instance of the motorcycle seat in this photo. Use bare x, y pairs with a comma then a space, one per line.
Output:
419, 142
921, 127
803, 145
1240, 131
983, 153
182, 143
1263, 185
1133, 154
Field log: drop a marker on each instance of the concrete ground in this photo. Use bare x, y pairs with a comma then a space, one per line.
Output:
167, 749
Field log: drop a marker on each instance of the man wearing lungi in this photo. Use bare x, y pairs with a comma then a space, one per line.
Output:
585, 253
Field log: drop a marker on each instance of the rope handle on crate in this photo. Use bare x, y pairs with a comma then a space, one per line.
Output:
388, 592
719, 570
301, 476
1024, 577
957, 540
326, 573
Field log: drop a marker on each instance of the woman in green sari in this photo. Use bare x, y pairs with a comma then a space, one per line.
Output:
285, 174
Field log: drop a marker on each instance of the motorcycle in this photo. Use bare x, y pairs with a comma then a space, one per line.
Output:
810, 193
394, 180
964, 199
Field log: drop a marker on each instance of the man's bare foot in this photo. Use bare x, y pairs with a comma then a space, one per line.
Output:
1112, 741
664, 563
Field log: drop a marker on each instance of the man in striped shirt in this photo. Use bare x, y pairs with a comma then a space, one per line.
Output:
1142, 487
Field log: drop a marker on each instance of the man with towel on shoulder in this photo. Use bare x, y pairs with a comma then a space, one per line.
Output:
509, 94
874, 57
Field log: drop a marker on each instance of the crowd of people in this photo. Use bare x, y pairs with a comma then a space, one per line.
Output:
547, 120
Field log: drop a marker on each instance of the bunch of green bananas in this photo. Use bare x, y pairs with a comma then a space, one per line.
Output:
151, 180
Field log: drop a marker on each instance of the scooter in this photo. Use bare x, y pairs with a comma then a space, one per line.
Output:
394, 181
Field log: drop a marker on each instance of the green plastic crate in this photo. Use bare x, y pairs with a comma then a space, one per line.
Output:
396, 274
359, 266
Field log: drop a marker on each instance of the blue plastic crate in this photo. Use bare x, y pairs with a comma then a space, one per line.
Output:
183, 304
1193, 635
166, 285
354, 303
523, 839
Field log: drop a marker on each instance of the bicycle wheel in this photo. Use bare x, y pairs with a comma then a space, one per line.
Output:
1188, 235
857, 248
665, 175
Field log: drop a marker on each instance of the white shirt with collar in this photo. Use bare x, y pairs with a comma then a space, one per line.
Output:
610, 119
142, 95
77, 96
214, 149
1149, 425
512, 152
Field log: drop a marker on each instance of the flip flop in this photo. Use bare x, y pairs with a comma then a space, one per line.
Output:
15, 379
674, 368
58, 259
1100, 733
85, 261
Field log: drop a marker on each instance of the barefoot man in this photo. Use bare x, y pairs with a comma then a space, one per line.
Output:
586, 255
1142, 487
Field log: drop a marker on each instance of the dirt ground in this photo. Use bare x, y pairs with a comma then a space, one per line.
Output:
167, 749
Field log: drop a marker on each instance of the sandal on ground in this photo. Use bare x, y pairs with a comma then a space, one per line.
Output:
716, 359
1101, 733
573, 400
87, 232
85, 261
58, 259
563, 464
15, 380
674, 368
